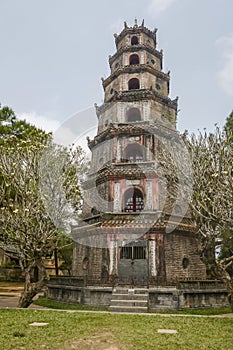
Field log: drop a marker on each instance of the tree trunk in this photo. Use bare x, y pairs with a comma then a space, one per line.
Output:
229, 287
31, 289
56, 261
218, 270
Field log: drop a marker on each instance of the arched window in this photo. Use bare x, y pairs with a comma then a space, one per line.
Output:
134, 59
134, 84
134, 153
134, 40
133, 200
133, 115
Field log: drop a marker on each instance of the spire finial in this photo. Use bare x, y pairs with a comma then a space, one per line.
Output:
135, 23
143, 23
126, 26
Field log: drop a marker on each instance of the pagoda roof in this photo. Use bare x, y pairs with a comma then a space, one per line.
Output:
135, 69
139, 47
135, 29
129, 129
142, 223
136, 95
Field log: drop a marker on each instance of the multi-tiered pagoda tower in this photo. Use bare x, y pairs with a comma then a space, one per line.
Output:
133, 231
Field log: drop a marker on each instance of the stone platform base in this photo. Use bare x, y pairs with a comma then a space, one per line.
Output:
186, 295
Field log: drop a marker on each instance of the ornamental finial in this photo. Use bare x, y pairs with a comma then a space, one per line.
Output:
135, 23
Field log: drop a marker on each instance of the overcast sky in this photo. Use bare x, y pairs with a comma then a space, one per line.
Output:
54, 53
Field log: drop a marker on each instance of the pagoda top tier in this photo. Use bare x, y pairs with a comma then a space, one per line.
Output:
135, 29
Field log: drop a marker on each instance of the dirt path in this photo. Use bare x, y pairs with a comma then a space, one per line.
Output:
100, 341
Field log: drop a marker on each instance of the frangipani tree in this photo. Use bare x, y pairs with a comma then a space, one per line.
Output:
25, 220
212, 199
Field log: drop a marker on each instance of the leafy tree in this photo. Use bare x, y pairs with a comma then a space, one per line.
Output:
205, 172
229, 122
212, 199
14, 129
25, 217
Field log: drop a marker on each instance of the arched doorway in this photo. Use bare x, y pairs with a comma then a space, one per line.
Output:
134, 84
134, 59
133, 200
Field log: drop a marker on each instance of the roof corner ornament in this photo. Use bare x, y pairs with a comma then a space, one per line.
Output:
126, 25
143, 23
155, 30
115, 35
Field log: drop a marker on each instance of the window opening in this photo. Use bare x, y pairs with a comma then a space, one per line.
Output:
133, 252
134, 40
134, 59
185, 263
134, 153
133, 201
134, 84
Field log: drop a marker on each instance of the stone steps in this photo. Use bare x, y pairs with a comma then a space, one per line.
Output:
129, 300
137, 303
10, 291
131, 297
128, 309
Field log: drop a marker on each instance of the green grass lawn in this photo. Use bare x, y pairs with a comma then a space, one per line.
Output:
126, 332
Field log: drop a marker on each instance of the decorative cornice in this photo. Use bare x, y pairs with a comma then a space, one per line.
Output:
135, 30
129, 129
136, 95
147, 222
143, 94
137, 68
139, 47
118, 171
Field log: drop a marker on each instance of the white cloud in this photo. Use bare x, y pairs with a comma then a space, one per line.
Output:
40, 121
225, 74
158, 6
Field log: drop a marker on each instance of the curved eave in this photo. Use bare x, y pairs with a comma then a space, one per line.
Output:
134, 129
147, 223
135, 30
140, 47
137, 68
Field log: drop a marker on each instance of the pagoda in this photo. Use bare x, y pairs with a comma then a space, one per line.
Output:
133, 232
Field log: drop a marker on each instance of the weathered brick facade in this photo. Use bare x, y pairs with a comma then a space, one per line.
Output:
135, 230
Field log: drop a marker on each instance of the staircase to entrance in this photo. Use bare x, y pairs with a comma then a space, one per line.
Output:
129, 300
